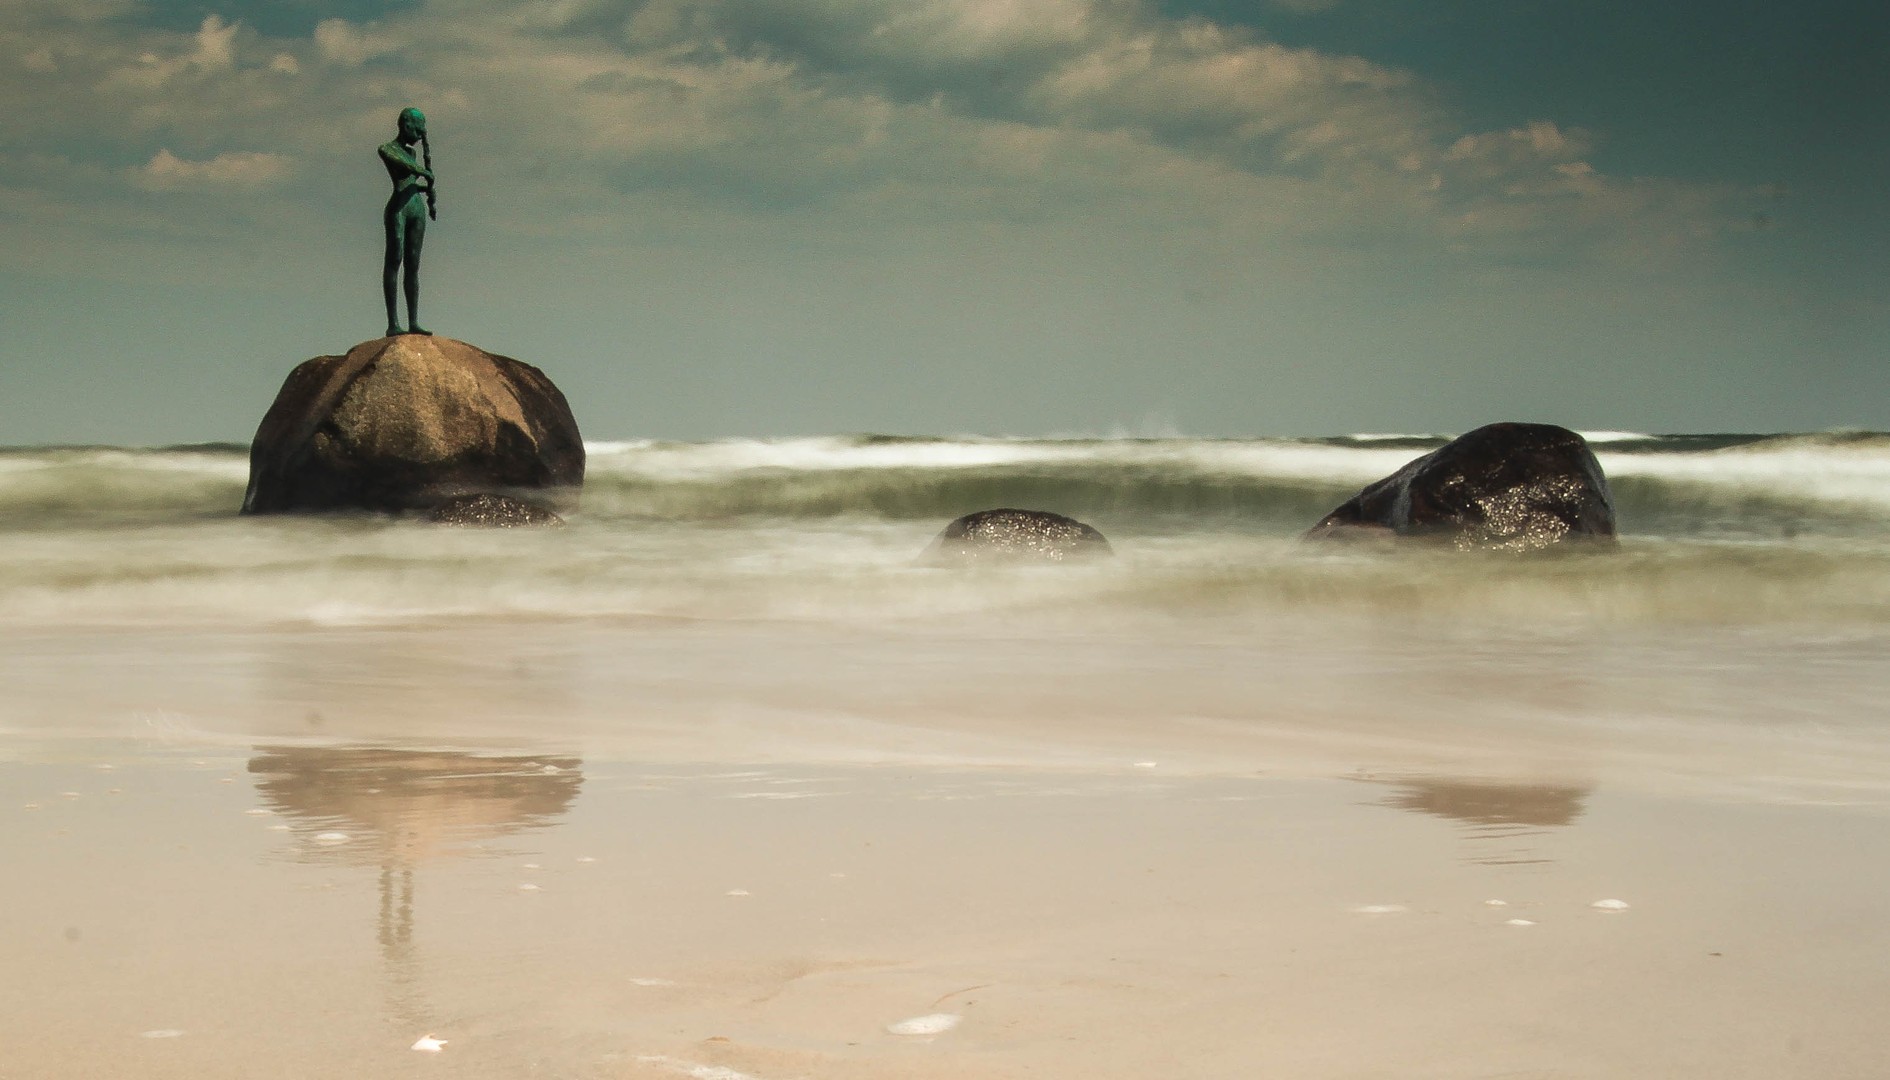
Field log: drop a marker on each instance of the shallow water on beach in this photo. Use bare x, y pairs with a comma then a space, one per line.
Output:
1226, 804
264, 911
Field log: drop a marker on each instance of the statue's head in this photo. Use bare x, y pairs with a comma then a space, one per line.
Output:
413, 124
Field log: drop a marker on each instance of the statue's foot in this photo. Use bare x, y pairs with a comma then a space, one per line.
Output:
419, 330
394, 331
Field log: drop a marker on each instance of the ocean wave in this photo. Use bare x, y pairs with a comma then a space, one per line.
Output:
1845, 473
45, 487
245, 572
1699, 485
1714, 527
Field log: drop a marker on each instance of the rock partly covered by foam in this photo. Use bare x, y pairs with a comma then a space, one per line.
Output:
1516, 487
491, 512
1005, 535
408, 422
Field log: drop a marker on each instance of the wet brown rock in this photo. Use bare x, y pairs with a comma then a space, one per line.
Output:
1510, 487
492, 512
1007, 535
407, 422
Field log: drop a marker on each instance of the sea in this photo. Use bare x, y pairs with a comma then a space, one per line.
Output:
1740, 528
776, 585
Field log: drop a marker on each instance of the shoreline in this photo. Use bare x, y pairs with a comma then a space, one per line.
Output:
1740, 713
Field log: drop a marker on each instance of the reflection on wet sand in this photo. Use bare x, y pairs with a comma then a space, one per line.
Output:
1503, 821
397, 807
409, 805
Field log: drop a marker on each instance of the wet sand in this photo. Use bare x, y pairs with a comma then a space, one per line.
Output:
616, 851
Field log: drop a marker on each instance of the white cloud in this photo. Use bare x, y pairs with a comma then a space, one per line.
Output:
970, 28
1536, 140
903, 113
231, 169
213, 50
341, 42
215, 44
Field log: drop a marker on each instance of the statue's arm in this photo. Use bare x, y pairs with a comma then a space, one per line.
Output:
395, 154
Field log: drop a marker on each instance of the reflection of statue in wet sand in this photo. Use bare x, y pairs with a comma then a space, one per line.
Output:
1475, 803
415, 199
414, 804
398, 807
1504, 821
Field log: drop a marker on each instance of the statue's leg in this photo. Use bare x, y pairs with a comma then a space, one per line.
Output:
390, 267
416, 215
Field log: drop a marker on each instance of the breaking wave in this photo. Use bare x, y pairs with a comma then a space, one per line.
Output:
1714, 527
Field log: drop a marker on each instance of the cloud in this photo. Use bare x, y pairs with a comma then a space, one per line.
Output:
340, 42
612, 117
230, 170
213, 49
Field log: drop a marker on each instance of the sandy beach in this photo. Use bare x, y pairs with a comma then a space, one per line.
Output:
655, 849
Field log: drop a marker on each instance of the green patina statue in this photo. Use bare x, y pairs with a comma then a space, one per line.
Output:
412, 203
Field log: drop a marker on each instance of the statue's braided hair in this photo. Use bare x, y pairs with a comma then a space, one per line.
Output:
433, 185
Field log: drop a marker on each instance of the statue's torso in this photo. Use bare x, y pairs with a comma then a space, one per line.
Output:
408, 184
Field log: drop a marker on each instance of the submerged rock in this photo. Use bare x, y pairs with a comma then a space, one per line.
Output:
1508, 487
1016, 535
404, 423
493, 512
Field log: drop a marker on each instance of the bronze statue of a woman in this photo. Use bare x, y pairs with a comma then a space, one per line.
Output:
408, 209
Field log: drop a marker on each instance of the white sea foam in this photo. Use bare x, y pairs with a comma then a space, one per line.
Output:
728, 456
693, 1070
1261, 457
829, 529
1805, 471
929, 1024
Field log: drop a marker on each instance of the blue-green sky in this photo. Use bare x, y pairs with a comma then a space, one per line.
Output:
766, 217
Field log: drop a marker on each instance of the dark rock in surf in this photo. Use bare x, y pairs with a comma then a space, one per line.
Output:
1007, 535
1504, 487
492, 512
407, 422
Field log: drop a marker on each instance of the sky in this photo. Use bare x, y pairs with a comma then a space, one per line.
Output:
726, 218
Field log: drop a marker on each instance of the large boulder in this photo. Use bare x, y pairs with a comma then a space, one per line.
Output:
407, 422
1007, 535
1514, 487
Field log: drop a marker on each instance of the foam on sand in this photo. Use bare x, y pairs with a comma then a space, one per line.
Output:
929, 1024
